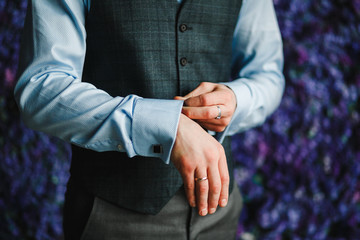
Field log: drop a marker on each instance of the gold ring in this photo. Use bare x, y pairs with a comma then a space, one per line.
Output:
201, 179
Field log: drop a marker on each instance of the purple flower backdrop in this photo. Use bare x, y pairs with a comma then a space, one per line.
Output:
33, 167
299, 173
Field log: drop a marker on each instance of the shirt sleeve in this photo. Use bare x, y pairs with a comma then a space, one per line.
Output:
257, 66
52, 97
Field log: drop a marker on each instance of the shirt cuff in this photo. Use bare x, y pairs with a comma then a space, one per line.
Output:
243, 105
154, 127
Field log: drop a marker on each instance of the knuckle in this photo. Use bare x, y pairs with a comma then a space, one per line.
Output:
203, 84
211, 162
216, 188
188, 168
213, 157
225, 179
203, 189
208, 115
201, 99
189, 187
204, 99
182, 158
182, 163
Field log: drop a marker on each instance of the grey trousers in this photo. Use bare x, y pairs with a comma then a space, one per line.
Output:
176, 221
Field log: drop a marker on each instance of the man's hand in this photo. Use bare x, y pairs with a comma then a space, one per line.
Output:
196, 154
201, 105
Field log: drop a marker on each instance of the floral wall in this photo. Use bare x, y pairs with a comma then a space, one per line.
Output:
33, 167
299, 173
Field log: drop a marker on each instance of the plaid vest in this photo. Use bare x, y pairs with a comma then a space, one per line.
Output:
154, 49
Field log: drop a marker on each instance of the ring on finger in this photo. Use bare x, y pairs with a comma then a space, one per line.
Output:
219, 112
201, 179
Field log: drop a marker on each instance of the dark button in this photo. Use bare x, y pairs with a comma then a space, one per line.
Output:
183, 61
183, 27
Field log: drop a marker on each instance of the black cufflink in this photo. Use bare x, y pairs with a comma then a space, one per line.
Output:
158, 148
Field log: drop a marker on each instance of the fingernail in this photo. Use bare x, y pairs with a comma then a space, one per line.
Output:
193, 204
223, 202
212, 210
203, 212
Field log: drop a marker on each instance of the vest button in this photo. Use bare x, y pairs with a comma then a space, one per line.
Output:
183, 27
183, 61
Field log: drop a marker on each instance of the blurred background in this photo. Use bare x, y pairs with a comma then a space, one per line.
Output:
299, 173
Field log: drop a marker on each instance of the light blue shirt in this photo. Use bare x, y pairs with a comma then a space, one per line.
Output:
53, 98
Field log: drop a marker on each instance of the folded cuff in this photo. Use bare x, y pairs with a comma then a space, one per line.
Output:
154, 127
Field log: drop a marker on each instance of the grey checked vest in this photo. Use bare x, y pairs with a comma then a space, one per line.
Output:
154, 49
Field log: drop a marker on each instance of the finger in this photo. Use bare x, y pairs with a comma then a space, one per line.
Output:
202, 192
180, 98
210, 112
225, 179
189, 186
208, 99
203, 87
214, 188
